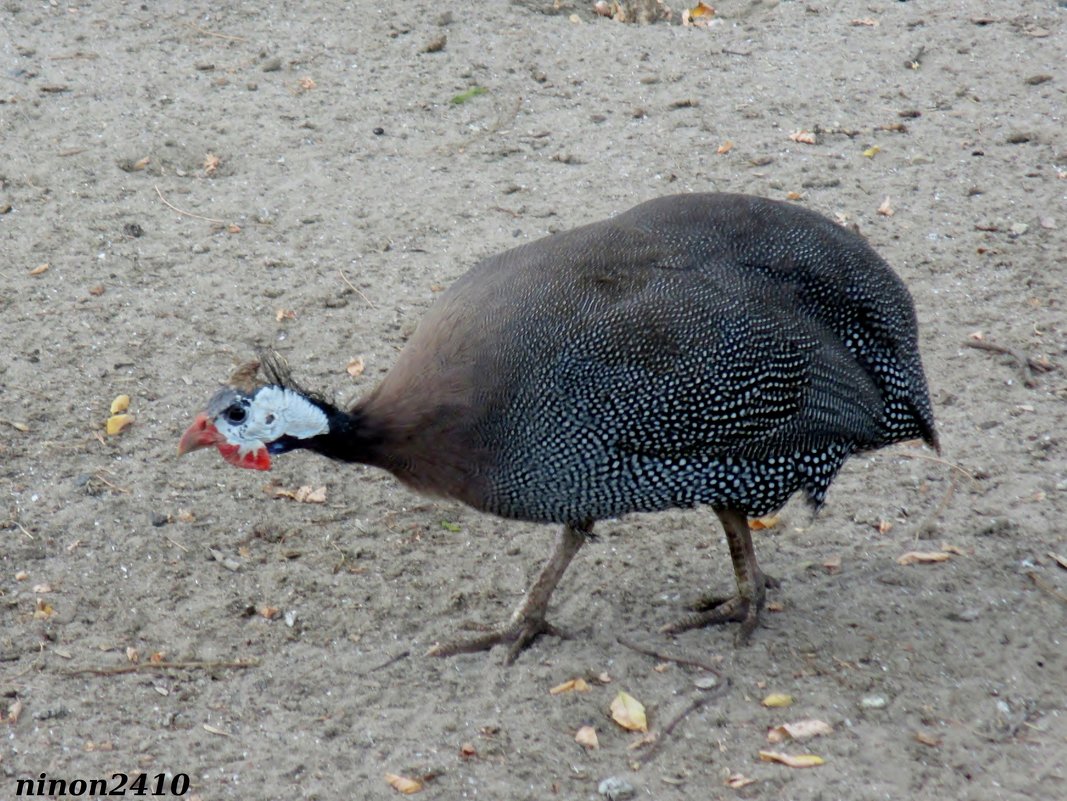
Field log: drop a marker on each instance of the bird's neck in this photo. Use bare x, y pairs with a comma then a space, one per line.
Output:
352, 437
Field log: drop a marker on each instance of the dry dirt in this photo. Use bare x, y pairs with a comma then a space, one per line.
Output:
328, 185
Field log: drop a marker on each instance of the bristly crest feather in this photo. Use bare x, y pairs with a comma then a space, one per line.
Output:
276, 370
243, 378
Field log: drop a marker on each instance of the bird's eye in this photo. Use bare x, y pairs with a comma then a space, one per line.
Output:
236, 414
269, 419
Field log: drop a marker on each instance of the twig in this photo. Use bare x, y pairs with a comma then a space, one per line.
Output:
666, 657
388, 662
175, 544
355, 289
927, 526
937, 460
697, 703
228, 38
1026, 364
152, 667
1043, 585
186, 213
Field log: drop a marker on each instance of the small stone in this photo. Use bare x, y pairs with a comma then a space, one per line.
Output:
706, 682
1018, 229
874, 702
272, 64
159, 519
615, 788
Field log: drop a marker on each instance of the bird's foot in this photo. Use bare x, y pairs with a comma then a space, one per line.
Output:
710, 610
518, 633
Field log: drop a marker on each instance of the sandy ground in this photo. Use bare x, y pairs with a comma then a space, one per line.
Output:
328, 187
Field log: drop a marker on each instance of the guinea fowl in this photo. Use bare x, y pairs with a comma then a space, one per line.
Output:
706, 349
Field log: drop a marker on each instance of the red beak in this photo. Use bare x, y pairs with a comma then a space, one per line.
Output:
201, 434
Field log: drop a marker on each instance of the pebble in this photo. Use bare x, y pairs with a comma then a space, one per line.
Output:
615, 788
272, 64
874, 702
705, 682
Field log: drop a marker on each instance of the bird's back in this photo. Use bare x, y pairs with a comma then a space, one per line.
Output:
698, 349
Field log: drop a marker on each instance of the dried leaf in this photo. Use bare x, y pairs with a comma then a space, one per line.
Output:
884, 526
799, 730
21, 575
953, 549
307, 84
44, 610
797, 761
211, 164
133, 656
1060, 560
804, 137
765, 522
97, 291
309, 495
778, 700
213, 730
41, 589
14, 711
927, 739
866, 22
572, 686
922, 557
355, 367
833, 564
586, 737
140, 164
40, 268
628, 712
886, 210
738, 780
117, 423
269, 612
185, 516
725, 148
120, 404
157, 657
468, 751
402, 784
284, 314
872, 151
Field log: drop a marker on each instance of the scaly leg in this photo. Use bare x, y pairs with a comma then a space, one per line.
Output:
751, 585
527, 622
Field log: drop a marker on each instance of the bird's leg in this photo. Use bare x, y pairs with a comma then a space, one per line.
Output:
527, 622
751, 585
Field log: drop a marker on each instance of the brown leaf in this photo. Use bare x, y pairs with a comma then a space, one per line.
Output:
140, 164
40, 268
884, 526
284, 314
586, 737
306, 85
97, 291
725, 148
804, 137
269, 612
211, 164
799, 730
765, 522
133, 656
14, 711
571, 686
120, 404
44, 610
833, 564
355, 367
886, 210
402, 784
866, 22
310, 495
922, 557
738, 780
797, 761
953, 549
468, 751
628, 712
927, 739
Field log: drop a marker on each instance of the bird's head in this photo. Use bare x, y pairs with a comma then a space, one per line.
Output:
248, 423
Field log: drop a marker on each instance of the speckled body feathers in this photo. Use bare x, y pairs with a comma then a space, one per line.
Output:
698, 349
